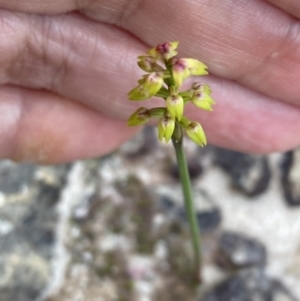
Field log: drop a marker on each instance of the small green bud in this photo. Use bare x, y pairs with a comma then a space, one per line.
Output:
195, 132
139, 117
166, 126
175, 106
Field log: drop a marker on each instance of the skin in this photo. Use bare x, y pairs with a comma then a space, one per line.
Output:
66, 67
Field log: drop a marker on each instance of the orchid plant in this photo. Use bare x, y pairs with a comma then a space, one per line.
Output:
164, 78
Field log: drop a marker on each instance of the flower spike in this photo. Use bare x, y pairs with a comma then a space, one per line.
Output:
165, 75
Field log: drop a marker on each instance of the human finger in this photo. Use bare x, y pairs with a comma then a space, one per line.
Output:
44, 128
248, 121
252, 42
290, 6
97, 70
71, 56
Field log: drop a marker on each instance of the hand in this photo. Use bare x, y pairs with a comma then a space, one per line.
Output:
66, 67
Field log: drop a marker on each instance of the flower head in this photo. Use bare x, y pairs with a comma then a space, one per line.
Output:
164, 51
165, 75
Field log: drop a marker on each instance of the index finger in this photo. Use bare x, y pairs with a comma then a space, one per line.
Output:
252, 42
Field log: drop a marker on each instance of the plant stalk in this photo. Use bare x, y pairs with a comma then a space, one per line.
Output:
177, 140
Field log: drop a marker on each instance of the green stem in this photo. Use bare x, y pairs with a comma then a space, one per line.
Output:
177, 140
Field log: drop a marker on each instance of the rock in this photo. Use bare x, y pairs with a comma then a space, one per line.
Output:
290, 177
85, 208
194, 167
143, 143
166, 203
237, 252
249, 174
14, 177
171, 202
29, 195
251, 285
209, 220
23, 276
173, 289
198, 159
142, 210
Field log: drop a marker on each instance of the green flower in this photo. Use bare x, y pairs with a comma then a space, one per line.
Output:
166, 126
142, 115
195, 131
201, 96
175, 106
149, 85
183, 68
139, 117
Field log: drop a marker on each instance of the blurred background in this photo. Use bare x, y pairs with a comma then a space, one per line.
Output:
114, 228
